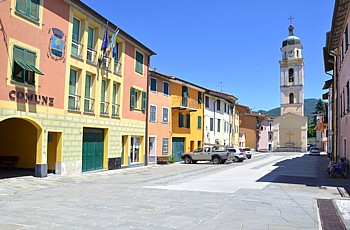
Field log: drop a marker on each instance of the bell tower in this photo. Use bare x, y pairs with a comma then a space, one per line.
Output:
292, 74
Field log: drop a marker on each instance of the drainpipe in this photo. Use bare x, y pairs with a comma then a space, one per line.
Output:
333, 53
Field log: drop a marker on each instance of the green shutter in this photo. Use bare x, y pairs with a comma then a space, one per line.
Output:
21, 6
18, 53
139, 62
143, 107
90, 44
34, 9
181, 120
76, 30
114, 98
30, 57
188, 121
199, 122
132, 98
200, 101
185, 91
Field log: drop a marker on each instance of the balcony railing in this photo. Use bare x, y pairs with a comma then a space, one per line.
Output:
73, 102
117, 68
104, 108
89, 105
105, 62
91, 56
185, 103
77, 49
115, 110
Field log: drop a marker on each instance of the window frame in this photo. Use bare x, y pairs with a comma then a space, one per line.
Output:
165, 147
167, 94
155, 84
139, 64
152, 114
27, 11
167, 115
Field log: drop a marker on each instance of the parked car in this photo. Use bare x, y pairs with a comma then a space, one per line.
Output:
213, 154
314, 151
248, 152
236, 154
309, 146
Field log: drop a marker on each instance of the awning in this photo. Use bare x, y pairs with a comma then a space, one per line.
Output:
327, 84
28, 66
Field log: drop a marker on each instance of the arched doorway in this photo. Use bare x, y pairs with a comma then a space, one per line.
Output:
21, 141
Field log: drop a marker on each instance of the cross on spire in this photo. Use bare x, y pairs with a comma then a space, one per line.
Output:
221, 86
291, 19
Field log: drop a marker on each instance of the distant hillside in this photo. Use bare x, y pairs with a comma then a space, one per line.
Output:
309, 109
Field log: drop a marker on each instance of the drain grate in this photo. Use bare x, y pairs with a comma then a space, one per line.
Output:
330, 219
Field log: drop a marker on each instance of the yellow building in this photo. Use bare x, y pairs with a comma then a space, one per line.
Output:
186, 116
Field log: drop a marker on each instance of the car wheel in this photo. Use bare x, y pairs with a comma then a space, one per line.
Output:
187, 160
216, 160
235, 159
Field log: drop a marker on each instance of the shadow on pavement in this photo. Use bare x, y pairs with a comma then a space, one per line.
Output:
6, 173
307, 170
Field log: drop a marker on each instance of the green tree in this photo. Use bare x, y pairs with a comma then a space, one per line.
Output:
319, 109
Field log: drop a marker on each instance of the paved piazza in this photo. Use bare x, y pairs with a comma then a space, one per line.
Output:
269, 191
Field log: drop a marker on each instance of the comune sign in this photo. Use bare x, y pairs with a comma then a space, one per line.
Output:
27, 97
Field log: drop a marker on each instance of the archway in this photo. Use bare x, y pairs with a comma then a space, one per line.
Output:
20, 144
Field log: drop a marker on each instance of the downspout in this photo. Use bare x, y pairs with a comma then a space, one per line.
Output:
147, 111
333, 53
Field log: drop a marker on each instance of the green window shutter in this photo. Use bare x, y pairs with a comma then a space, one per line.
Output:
139, 62
34, 9
143, 101
181, 120
200, 101
199, 122
132, 98
18, 53
30, 57
21, 6
90, 44
188, 121
185, 91
76, 30
114, 98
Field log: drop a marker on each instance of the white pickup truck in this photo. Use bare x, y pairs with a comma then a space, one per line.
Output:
213, 154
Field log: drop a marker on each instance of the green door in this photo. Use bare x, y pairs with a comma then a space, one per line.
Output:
93, 146
178, 147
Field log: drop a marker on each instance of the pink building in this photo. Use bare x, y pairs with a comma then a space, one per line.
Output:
266, 135
337, 51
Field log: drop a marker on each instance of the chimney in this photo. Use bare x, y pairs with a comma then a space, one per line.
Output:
155, 69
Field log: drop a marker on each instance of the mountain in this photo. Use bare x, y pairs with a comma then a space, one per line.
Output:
309, 109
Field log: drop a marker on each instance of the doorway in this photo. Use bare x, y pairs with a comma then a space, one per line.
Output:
152, 150
53, 151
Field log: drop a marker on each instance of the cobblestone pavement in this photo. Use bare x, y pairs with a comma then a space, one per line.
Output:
269, 191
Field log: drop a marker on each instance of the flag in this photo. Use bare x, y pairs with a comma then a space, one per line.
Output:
113, 43
105, 40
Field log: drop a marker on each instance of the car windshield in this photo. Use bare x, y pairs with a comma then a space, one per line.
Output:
247, 149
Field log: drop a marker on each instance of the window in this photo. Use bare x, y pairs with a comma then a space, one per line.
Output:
165, 116
73, 98
184, 96
76, 47
165, 144
24, 69
346, 38
184, 123
291, 98
104, 103
137, 99
200, 101
225, 124
218, 104
115, 101
219, 123
153, 84
199, 125
91, 53
139, 62
225, 110
188, 124
153, 113
28, 8
88, 101
291, 75
211, 124
206, 102
181, 120
165, 88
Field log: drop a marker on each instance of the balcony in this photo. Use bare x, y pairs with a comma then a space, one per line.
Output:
73, 102
106, 61
117, 68
115, 110
104, 108
89, 105
91, 56
184, 103
77, 49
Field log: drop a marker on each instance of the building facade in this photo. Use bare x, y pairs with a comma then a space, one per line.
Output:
266, 135
290, 128
337, 62
89, 112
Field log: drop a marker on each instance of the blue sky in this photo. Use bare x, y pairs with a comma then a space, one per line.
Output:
234, 42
